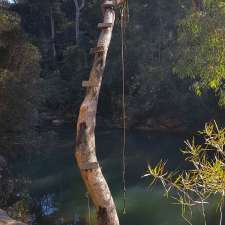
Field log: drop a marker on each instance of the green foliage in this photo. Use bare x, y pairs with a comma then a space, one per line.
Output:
21, 209
8, 21
19, 80
151, 89
207, 177
201, 50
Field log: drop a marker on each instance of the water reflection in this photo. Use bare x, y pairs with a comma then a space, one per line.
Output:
51, 215
47, 205
56, 181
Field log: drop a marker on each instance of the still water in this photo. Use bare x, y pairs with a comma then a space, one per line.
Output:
57, 187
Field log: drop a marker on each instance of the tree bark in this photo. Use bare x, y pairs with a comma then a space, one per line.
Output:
85, 141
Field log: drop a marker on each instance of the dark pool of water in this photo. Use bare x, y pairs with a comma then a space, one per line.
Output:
56, 182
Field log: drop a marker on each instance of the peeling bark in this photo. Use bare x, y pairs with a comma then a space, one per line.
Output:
85, 141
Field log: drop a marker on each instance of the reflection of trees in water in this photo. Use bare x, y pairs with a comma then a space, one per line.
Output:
46, 210
43, 207
47, 204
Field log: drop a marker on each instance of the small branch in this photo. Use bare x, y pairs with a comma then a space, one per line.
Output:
82, 5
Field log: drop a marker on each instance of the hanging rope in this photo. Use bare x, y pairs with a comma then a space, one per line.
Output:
124, 115
124, 14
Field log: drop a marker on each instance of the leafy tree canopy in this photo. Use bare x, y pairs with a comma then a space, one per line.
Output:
201, 49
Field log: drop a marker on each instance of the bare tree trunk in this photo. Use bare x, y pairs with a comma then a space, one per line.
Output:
85, 141
160, 33
77, 25
52, 32
78, 9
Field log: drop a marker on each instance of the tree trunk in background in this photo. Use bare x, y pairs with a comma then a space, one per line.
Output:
78, 9
52, 32
85, 141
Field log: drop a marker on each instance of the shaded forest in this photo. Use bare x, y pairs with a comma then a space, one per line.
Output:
174, 72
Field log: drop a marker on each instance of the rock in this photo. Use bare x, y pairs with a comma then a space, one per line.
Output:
165, 123
6, 220
3, 213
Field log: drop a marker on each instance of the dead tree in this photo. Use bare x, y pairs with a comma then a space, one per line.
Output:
85, 152
78, 8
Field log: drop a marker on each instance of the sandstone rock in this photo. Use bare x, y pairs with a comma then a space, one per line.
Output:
6, 220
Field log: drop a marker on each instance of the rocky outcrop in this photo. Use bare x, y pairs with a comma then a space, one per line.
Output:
6, 220
164, 123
